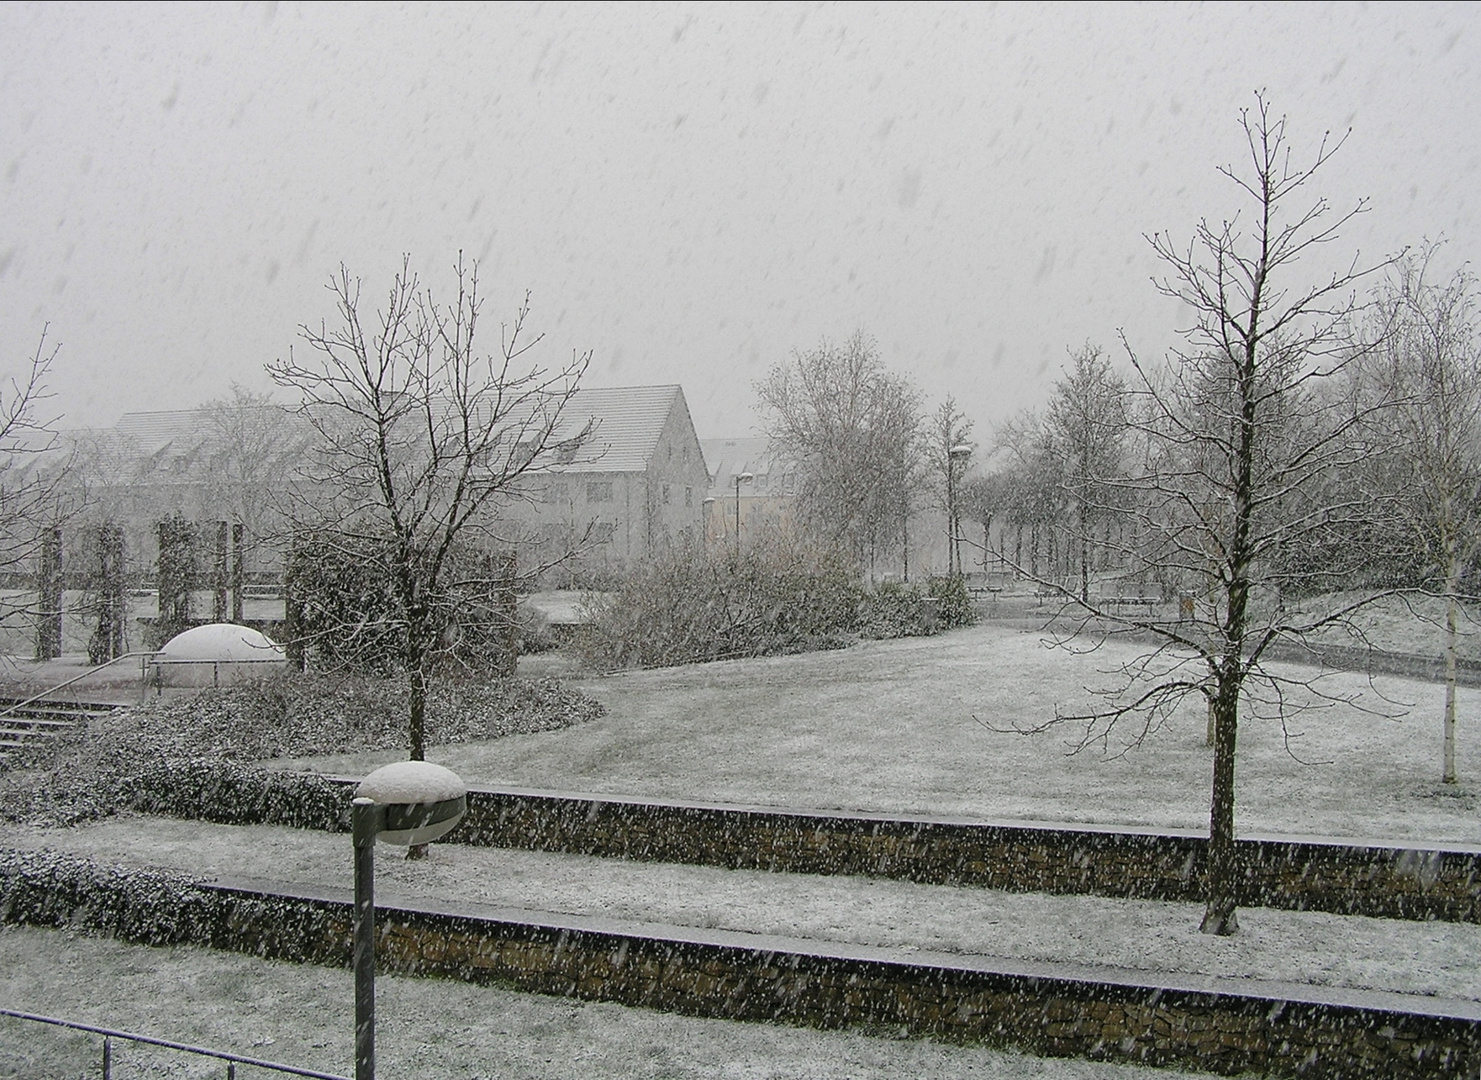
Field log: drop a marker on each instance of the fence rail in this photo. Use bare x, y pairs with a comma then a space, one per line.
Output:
109, 1034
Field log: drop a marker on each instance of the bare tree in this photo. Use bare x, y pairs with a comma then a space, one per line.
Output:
35, 498
422, 439
1243, 436
1421, 352
1086, 429
254, 445
984, 500
948, 449
1031, 492
853, 427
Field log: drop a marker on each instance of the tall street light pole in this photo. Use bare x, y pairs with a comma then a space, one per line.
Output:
958, 453
410, 802
740, 478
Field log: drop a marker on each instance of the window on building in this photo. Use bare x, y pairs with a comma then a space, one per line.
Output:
599, 491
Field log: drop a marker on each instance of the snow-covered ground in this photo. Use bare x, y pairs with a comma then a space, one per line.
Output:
920, 725
1404, 624
927, 726
428, 1029
1436, 959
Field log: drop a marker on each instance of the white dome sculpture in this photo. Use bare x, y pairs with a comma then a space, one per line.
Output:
217, 654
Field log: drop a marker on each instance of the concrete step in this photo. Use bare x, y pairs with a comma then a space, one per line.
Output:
29, 722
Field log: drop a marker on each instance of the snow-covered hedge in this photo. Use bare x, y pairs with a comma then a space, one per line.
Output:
160, 907
171, 751
297, 715
155, 907
694, 604
230, 793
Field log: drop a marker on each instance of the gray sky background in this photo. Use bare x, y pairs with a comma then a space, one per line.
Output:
690, 191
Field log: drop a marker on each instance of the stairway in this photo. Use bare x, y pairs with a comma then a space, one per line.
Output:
24, 724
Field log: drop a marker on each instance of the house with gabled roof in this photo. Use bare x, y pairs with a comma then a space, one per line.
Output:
750, 486
637, 485
204, 464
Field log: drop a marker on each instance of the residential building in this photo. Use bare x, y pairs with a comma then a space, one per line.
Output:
748, 485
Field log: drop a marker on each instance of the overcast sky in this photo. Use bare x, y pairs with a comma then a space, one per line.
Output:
691, 192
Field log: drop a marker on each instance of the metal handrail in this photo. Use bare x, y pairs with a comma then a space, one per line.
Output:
232, 1060
161, 662
76, 678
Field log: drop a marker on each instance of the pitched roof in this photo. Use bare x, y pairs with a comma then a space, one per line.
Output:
728, 458
152, 432
141, 443
629, 423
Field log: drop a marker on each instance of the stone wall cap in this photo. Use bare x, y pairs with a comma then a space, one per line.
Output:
1134, 979
1021, 824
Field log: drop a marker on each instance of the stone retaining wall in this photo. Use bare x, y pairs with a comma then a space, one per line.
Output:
1345, 877
1219, 1025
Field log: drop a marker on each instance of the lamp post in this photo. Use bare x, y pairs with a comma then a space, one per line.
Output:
410, 802
740, 478
957, 453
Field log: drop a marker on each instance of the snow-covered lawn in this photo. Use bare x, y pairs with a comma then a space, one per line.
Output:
427, 1029
920, 726
1302, 947
1402, 624
908, 726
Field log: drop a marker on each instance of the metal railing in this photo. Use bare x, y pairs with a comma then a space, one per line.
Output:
142, 657
109, 1034
159, 664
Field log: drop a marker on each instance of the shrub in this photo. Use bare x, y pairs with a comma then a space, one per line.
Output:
892, 610
534, 633
132, 758
955, 602
693, 604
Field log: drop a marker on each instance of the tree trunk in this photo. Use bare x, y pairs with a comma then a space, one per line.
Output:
1084, 556
417, 713
49, 596
417, 717
1452, 631
509, 617
1220, 872
238, 573
905, 549
219, 609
